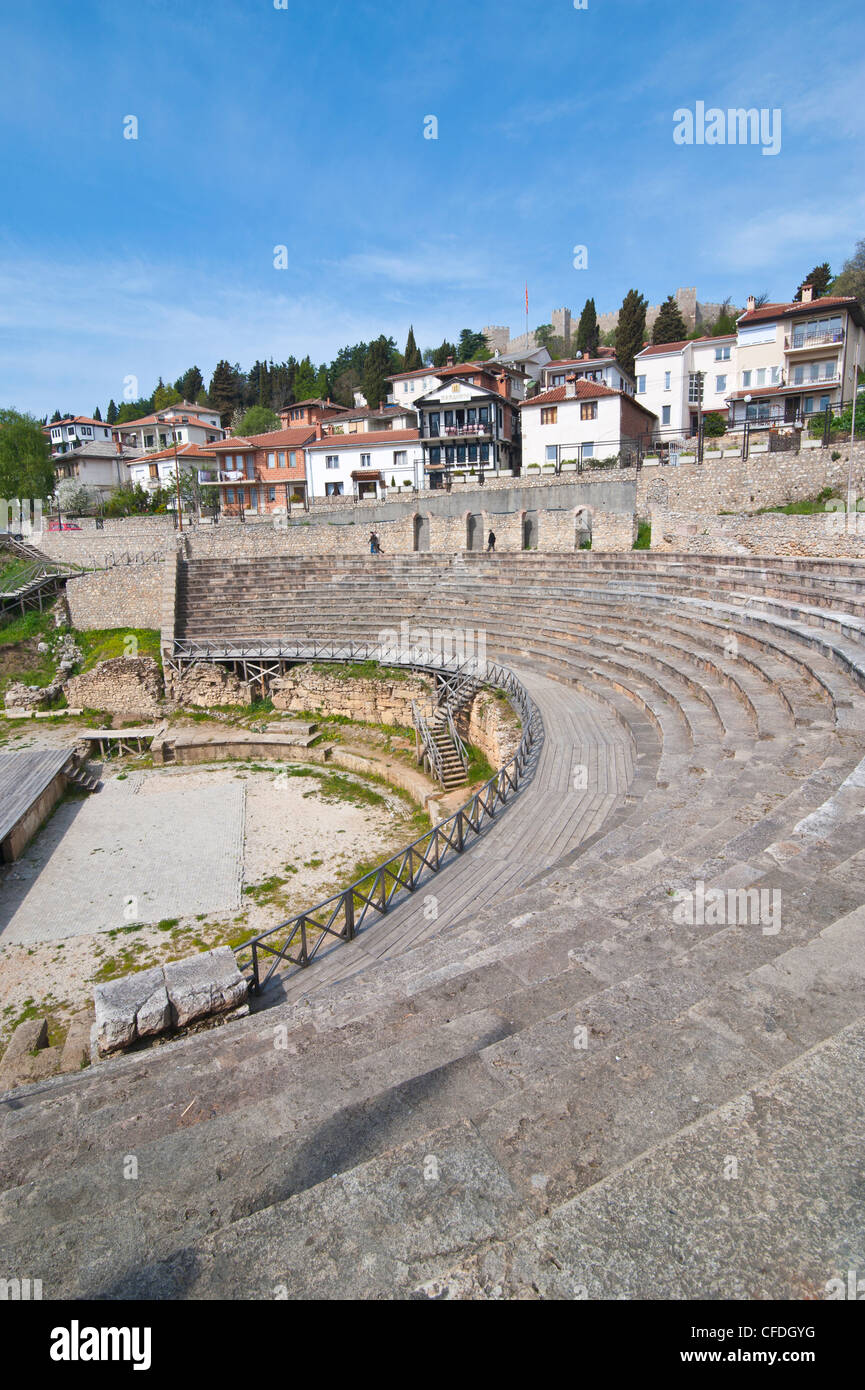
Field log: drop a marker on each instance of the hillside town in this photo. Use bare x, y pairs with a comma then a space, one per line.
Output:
515, 410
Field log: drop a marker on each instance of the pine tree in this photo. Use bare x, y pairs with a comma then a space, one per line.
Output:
56, 416
224, 390
631, 329
303, 386
190, 385
669, 327
819, 280
411, 358
97, 414
588, 333
111, 415
378, 367
441, 354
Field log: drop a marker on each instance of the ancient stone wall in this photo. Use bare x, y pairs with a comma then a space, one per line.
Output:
130, 686
491, 725
763, 480
831, 534
612, 531
376, 700
125, 596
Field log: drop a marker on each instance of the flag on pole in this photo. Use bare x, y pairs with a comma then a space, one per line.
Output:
527, 296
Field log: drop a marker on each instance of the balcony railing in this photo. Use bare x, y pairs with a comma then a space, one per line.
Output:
794, 341
456, 431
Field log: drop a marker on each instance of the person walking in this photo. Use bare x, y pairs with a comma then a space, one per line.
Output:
374, 544
491, 542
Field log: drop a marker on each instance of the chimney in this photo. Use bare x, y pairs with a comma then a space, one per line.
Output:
571, 387
319, 432
752, 303
504, 385
450, 362
807, 294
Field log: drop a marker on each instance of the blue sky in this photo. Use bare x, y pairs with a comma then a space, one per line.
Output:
304, 127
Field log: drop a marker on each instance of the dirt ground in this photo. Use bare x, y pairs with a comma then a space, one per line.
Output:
77, 907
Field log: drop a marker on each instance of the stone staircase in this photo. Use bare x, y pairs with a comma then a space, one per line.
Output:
579, 1084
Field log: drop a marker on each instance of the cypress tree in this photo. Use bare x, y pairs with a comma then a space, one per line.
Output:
588, 333
631, 330
411, 358
111, 415
669, 327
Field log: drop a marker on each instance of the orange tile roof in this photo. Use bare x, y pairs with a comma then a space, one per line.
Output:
335, 442
774, 311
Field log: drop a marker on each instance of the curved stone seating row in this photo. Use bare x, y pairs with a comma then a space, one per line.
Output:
562, 1055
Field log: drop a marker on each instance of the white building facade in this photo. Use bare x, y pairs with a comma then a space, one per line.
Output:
678, 381
578, 422
367, 465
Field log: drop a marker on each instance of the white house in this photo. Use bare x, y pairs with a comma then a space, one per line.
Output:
579, 421
100, 466
362, 419
675, 381
406, 386
156, 470
77, 429
364, 465
188, 424
796, 359
603, 368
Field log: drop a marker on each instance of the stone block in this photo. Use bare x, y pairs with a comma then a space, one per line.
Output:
76, 1048
133, 1007
27, 1036
201, 985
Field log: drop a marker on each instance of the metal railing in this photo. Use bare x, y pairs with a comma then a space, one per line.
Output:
424, 739
298, 940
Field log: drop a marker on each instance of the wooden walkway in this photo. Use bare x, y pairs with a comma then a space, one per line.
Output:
23, 778
557, 811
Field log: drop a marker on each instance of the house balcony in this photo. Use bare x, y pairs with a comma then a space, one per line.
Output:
221, 475
450, 433
805, 341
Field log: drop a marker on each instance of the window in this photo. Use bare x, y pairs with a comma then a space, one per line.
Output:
333, 489
722, 354
775, 375
798, 376
271, 494
668, 377
588, 410
148, 441
831, 369
500, 417
695, 388
281, 459
271, 460
250, 466
809, 405
484, 415
549, 415
332, 461
665, 415
552, 453
720, 383
746, 380
558, 380
588, 451
85, 429
435, 454
153, 470
461, 453
366, 460
449, 419
292, 459
229, 494
473, 453
485, 453
400, 458
641, 385
761, 376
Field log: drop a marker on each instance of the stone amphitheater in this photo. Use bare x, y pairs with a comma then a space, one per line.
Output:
562, 1085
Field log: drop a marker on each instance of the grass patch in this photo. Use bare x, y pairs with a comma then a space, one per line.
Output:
105, 644
644, 536
809, 506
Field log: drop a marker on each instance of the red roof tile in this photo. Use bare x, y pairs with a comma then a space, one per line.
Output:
335, 442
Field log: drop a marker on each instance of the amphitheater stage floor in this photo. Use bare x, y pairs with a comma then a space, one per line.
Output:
32, 781
123, 857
